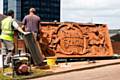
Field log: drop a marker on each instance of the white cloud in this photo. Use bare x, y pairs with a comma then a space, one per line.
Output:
1, 6
90, 4
100, 11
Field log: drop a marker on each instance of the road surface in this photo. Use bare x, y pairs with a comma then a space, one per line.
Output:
103, 73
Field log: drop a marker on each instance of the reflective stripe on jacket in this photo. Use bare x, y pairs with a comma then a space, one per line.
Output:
7, 30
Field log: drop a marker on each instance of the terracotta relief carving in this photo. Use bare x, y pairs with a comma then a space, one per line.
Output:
78, 39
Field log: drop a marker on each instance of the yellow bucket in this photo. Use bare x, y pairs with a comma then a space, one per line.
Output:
51, 61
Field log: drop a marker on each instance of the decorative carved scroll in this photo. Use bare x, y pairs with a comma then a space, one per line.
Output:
74, 39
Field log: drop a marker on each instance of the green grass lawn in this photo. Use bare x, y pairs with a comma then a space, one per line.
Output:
2, 77
35, 73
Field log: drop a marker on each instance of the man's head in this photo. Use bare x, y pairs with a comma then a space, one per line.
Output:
32, 10
10, 13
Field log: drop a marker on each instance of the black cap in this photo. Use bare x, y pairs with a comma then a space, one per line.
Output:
10, 13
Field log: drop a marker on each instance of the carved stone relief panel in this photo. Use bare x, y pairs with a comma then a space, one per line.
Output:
79, 40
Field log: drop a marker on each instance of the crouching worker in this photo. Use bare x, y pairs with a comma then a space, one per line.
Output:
7, 34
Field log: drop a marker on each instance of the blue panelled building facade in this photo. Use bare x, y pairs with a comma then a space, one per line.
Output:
48, 10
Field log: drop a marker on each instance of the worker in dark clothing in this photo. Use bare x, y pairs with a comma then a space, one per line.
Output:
31, 23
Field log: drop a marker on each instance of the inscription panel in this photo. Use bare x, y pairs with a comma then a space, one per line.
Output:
77, 40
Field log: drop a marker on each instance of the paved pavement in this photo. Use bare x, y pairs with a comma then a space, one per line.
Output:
78, 66
103, 73
71, 66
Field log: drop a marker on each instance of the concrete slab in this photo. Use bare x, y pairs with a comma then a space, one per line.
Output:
75, 66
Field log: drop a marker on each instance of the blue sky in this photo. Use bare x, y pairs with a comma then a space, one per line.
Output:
96, 11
